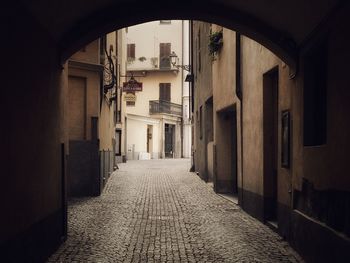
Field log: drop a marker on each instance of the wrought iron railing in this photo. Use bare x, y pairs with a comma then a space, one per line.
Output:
165, 63
163, 106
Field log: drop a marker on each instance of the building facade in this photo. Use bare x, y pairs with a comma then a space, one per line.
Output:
157, 114
92, 114
264, 137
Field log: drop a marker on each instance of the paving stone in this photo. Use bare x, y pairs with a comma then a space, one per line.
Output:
157, 211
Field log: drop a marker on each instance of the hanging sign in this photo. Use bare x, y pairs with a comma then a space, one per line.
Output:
132, 85
130, 97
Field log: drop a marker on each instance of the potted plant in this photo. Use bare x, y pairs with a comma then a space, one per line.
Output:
215, 43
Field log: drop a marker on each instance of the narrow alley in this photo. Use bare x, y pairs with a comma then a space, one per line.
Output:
157, 211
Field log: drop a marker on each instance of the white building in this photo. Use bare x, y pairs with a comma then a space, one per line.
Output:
156, 118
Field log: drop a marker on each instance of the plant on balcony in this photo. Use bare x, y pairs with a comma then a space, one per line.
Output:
130, 60
215, 43
142, 59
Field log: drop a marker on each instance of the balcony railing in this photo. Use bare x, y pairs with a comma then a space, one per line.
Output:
151, 64
163, 106
165, 63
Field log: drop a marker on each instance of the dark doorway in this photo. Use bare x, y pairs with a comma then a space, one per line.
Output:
169, 140
150, 139
209, 139
233, 124
226, 150
270, 130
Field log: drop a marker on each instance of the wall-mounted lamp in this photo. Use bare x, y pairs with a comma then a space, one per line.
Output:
174, 59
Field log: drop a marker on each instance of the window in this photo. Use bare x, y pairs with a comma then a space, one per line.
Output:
130, 103
131, 51
165, 22
164, 52
165, 91
315, 96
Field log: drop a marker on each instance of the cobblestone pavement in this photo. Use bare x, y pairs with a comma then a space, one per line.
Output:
156, 211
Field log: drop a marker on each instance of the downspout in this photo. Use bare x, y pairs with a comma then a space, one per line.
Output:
191, 89
182, 90
239, 96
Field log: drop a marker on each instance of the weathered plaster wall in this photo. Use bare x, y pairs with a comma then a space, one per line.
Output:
256, 61
202, 92
226, 106
92, 95
137, 136
33, 95
224, 74
89, 53
107, 110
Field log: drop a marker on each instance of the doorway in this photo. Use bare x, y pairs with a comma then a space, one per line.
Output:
233, 126
270, 140
225, 180
169, 140
150, 139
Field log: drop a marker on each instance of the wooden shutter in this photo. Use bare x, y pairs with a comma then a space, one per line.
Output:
164, 52
165, 91
164, 49
131, 51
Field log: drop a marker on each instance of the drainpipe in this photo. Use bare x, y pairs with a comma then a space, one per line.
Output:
239, 96
191, 89
182, 89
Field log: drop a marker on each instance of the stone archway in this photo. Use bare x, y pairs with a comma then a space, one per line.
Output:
40, 34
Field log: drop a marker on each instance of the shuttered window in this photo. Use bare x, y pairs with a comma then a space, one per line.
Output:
164, 91
164, 49
164, 52
131, 51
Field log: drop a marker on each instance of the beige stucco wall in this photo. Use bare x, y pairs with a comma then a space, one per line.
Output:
202, 92
147, 38
107, 111
224, 75
151, 90
137, 136
106, 126
96, 107
121, 71
89, 54
225, 99
92, 95
257, 60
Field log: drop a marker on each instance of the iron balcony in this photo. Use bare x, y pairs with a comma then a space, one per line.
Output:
163, 106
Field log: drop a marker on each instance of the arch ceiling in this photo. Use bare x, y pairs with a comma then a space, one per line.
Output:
280, 25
